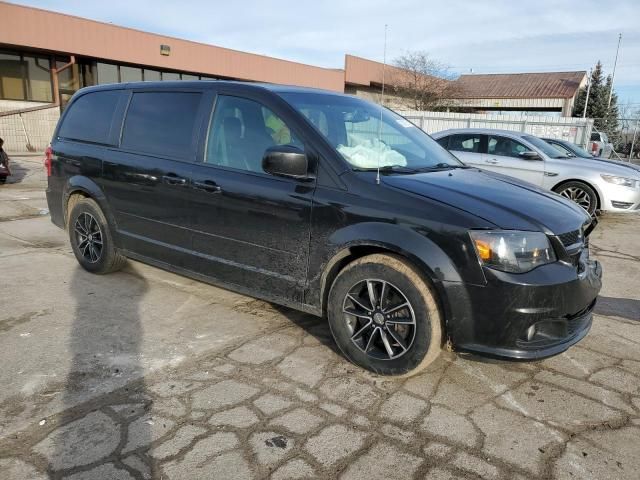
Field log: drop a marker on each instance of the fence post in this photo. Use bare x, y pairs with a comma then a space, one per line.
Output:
633, 140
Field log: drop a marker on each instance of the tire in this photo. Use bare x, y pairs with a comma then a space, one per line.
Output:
91, 239
409, 347
580, 193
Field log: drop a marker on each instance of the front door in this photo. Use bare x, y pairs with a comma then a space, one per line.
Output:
251, 229
503, 156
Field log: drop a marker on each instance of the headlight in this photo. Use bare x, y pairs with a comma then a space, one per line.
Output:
512, 251
623, 181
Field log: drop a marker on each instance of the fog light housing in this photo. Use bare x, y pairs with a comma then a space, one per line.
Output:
621, 204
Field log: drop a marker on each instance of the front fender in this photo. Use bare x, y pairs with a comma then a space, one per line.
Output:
402, 240
423, 252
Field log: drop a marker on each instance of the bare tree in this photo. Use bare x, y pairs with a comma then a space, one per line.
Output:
423, 82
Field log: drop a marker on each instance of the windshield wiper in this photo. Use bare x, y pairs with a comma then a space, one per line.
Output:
442, 166
388, 168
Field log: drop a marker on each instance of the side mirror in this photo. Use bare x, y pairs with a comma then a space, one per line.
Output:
530, 155
286, 161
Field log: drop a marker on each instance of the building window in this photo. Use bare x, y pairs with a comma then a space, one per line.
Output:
69, 78
130, 74
107, 73
170, 76
25, 77
190, 77
151, 75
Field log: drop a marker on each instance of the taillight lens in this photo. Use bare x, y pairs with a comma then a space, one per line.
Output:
594, 147
48, 157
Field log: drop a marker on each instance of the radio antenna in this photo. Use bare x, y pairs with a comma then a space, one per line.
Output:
384, 64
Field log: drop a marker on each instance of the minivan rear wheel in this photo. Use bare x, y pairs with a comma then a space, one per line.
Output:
91, 238
580, 193
384, 316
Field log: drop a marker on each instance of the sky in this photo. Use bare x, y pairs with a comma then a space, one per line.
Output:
486, 36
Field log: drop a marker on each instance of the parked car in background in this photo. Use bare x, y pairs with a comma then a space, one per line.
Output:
573, 150
328, 204
598, 185
568, 148
600, 145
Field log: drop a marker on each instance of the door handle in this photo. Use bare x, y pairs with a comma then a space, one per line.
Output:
172, 179
208, 186
492, 161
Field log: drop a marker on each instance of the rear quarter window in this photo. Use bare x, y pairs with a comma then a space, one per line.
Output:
92, 118
161, 123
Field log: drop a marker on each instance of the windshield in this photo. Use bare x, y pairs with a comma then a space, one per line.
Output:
544, 147
368, 136
580, 152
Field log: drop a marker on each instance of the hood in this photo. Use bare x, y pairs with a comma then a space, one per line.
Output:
620, 167
503, 201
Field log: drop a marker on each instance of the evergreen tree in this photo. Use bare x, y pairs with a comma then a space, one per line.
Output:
605, 118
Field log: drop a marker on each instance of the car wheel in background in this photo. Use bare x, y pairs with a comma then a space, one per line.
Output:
580, 193
384, 316
91, 238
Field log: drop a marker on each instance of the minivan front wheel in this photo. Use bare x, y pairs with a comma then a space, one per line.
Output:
384, 316
91, 238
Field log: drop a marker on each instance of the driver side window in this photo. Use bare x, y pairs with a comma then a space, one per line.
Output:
241, 130
505, 147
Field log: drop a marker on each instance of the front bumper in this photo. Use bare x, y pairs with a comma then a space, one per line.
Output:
621, 199
525, 316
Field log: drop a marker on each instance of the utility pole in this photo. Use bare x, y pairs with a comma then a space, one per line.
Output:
613, 75
586, 100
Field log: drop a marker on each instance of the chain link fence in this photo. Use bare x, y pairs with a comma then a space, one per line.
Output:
623, 135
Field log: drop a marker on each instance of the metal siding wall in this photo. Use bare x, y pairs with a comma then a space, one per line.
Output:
576, 130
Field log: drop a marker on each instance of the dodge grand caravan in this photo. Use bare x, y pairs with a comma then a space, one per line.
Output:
325, 203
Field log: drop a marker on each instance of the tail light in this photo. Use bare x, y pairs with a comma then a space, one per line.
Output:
48, 158
594, 147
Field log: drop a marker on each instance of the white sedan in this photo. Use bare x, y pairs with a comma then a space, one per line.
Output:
605, 186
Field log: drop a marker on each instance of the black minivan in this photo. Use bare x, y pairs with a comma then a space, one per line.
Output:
325, 203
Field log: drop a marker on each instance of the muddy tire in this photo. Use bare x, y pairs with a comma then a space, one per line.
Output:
384, 316
91, 238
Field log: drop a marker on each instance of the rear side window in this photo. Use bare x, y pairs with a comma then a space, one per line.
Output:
595, 137
444, 142
465, 143
90, 118
161, 123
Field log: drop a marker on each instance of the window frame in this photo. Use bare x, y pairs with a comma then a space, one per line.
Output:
267, 102
192, 155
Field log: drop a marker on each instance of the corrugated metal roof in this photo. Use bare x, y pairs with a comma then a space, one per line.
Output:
520, 85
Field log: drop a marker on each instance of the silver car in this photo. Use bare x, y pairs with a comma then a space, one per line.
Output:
594, 185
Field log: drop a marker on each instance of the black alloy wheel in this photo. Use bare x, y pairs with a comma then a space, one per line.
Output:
88, 237
380, 318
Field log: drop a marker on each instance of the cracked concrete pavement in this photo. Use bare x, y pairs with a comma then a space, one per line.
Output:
144, 374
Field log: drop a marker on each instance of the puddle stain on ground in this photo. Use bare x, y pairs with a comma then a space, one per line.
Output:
10, 323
